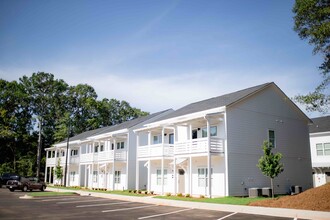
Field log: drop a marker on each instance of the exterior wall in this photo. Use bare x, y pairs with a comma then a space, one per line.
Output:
319, 138
169, 187
247, 127
321, 163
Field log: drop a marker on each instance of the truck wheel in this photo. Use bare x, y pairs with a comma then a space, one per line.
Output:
25, 188
43, 188
11, 190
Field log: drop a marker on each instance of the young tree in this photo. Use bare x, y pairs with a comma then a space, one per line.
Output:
312, 22
58, 170
269, 163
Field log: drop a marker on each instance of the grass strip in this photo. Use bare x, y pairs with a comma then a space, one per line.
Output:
222, 200
36, 194
117, 192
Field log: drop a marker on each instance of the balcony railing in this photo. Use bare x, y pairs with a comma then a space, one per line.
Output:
199, 145
155, 150
104, 156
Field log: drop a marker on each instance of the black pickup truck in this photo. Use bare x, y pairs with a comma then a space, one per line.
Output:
5, 177
25, 184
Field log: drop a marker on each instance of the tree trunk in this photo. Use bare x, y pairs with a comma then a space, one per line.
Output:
39, 149
272, 186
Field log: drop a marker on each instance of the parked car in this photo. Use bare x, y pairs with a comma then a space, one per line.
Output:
5, 177
25, 184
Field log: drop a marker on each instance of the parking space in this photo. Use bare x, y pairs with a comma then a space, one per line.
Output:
87, 207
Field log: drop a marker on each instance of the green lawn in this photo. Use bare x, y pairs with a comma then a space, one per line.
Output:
51, 193
117, 192
223, 200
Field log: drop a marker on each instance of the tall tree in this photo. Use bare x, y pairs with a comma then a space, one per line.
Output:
46, 94
15, 122
312, 22
270, 164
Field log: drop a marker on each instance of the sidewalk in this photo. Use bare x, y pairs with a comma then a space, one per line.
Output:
279, 212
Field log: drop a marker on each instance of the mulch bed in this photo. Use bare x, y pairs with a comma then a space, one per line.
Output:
317, 199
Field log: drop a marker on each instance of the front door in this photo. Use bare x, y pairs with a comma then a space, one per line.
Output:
181, 181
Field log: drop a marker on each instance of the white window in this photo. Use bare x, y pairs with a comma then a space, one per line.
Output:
74, 152
171, 138
213, 131
159, 177
319, 150
117, 176
157, 139
203, 177
271, 138
72, 175
94, 176
323, 149
120, 145
327, 149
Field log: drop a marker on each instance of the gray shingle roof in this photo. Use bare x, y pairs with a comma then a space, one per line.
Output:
321, 124
128, 124
103, 130
215, 102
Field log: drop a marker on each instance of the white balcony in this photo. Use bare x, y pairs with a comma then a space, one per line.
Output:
199, 145
120, 155
155, 150
193, 146
74, 160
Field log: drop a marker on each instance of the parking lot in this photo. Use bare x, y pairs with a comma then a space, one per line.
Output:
87, 207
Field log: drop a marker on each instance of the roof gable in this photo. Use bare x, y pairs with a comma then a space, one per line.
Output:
224, 100
320, 124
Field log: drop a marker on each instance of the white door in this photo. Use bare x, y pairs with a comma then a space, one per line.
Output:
181, 181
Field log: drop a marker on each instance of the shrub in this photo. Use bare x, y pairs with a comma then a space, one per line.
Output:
187, 195
202, 196
129, 191
151, 192
134, 190
168, 194
139, 191
179, 194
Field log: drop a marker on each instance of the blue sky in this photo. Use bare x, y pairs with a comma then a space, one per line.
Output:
158, 54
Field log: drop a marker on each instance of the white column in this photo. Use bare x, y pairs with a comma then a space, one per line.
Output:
106, 176
175, 176
92, 175
113, 165
98, 173
149, 175
137, 168
85, 183
162, 174
162, 171
190, 175
127, 149
209, 159
79, 175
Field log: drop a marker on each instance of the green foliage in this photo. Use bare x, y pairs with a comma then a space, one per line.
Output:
269, 163
58, 170
35, 113
312, 22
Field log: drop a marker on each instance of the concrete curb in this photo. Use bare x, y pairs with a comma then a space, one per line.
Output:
279, 212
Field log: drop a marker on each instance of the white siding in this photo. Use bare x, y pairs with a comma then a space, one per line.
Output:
247, 127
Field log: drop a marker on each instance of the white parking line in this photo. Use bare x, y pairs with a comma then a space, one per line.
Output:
168, 213
103, 204
93, 200
139, 207
227, 216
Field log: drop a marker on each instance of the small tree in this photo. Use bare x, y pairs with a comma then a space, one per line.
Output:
59, 170
269, 163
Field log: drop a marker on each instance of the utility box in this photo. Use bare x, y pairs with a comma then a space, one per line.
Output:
296, 189
266, 191
255, 192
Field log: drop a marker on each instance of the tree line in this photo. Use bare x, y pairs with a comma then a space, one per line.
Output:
40, 110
